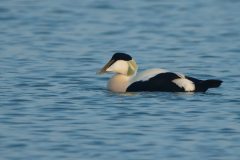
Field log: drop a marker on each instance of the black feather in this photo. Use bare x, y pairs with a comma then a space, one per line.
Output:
121, 56
204, 85
161, 82
211, 83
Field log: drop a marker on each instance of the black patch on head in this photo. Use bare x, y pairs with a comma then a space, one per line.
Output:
161, 82
121, 56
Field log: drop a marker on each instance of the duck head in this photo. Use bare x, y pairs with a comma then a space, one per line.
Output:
120, 63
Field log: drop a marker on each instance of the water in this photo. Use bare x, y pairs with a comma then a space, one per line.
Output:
54, 106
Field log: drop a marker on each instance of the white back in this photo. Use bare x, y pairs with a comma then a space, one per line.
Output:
147, 74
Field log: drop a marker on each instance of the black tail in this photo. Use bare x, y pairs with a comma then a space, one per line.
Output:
211, 83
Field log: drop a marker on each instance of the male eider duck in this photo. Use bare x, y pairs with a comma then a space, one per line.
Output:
127, 79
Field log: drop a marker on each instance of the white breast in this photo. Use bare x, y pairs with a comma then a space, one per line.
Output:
118, 83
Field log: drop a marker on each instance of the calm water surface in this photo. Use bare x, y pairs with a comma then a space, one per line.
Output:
54, 106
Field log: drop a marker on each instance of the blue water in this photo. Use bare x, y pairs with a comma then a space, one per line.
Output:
54, 106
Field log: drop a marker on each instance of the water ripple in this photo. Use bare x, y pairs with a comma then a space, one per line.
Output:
54, 106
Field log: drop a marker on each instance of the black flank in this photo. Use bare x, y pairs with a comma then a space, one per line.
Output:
161, 82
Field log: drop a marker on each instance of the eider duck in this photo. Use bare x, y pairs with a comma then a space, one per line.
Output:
127, 79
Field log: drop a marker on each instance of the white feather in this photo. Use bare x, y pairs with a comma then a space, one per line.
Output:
118, 83
185, 83
147, 74
119, 66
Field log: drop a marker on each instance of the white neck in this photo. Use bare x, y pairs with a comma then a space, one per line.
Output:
119, 83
